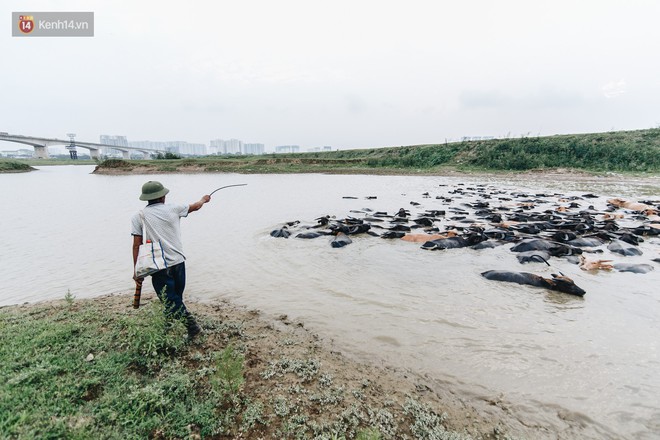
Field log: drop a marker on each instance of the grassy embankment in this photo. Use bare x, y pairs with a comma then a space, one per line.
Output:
11, 166
626, 151
99, 369
57, 161
635, 151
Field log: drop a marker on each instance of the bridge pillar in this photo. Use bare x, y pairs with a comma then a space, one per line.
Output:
94, 153
126, 155
146, 155
41, 152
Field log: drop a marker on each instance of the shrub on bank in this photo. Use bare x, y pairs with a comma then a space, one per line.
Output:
625, 151
114, 163
12, 166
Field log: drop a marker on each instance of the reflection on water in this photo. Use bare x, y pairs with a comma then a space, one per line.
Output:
560, 302
378, 299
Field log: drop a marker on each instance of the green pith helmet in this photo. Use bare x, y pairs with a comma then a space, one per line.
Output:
153, 190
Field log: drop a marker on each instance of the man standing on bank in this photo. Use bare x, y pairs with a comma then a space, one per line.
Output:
162, 223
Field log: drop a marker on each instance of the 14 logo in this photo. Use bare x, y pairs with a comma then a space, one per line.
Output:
26, 23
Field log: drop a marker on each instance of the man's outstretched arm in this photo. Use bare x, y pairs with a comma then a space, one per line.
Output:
198, 204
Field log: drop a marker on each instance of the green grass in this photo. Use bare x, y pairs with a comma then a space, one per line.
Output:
228, 377
134, 386
634, 151
56, 161
80, 369
625, 151
13, 166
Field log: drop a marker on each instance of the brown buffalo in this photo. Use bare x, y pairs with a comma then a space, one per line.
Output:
595, 264
422, 238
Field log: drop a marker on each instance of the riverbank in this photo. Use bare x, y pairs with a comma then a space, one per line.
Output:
636, 151
99, 368
9, 166
290, 166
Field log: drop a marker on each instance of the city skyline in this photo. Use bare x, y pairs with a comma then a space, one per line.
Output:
214, 147
237, 145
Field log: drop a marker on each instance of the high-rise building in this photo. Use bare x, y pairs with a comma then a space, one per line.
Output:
233, 146
287, 149
216, 146
230, 146
189, 149
177, 147
150, 145
253, 149
119, 141
319, 149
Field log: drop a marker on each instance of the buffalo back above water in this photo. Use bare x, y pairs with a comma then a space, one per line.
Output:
559, 283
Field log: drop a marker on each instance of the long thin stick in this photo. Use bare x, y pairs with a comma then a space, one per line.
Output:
138, 293
222, 187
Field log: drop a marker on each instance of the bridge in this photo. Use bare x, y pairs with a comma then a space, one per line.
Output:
41, 146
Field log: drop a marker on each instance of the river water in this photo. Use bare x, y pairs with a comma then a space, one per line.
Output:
551, 356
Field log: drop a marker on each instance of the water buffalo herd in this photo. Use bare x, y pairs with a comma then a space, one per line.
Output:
536, 226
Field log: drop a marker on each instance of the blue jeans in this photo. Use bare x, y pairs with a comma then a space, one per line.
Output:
173, 280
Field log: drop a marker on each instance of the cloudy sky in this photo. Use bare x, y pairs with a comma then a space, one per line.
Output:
349, 74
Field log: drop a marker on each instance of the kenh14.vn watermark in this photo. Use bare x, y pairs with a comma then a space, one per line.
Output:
52, 24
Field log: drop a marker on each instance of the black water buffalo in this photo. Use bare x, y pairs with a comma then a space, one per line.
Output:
634, 268
490, 244
400, 228
564, 236
424, 221
528, 228
552, 247
585, 242
359, 228
454, 242
629, 238
533, 256
309, 235
623, 248
646, 230
393, 234
282, 232
402, 213
340, 240
560, 283
500, 234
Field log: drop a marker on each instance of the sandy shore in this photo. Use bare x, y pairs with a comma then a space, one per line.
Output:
482, 416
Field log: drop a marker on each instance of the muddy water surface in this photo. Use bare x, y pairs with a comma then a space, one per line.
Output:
549, 357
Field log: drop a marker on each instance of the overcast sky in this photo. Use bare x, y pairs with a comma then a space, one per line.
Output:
349, 74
